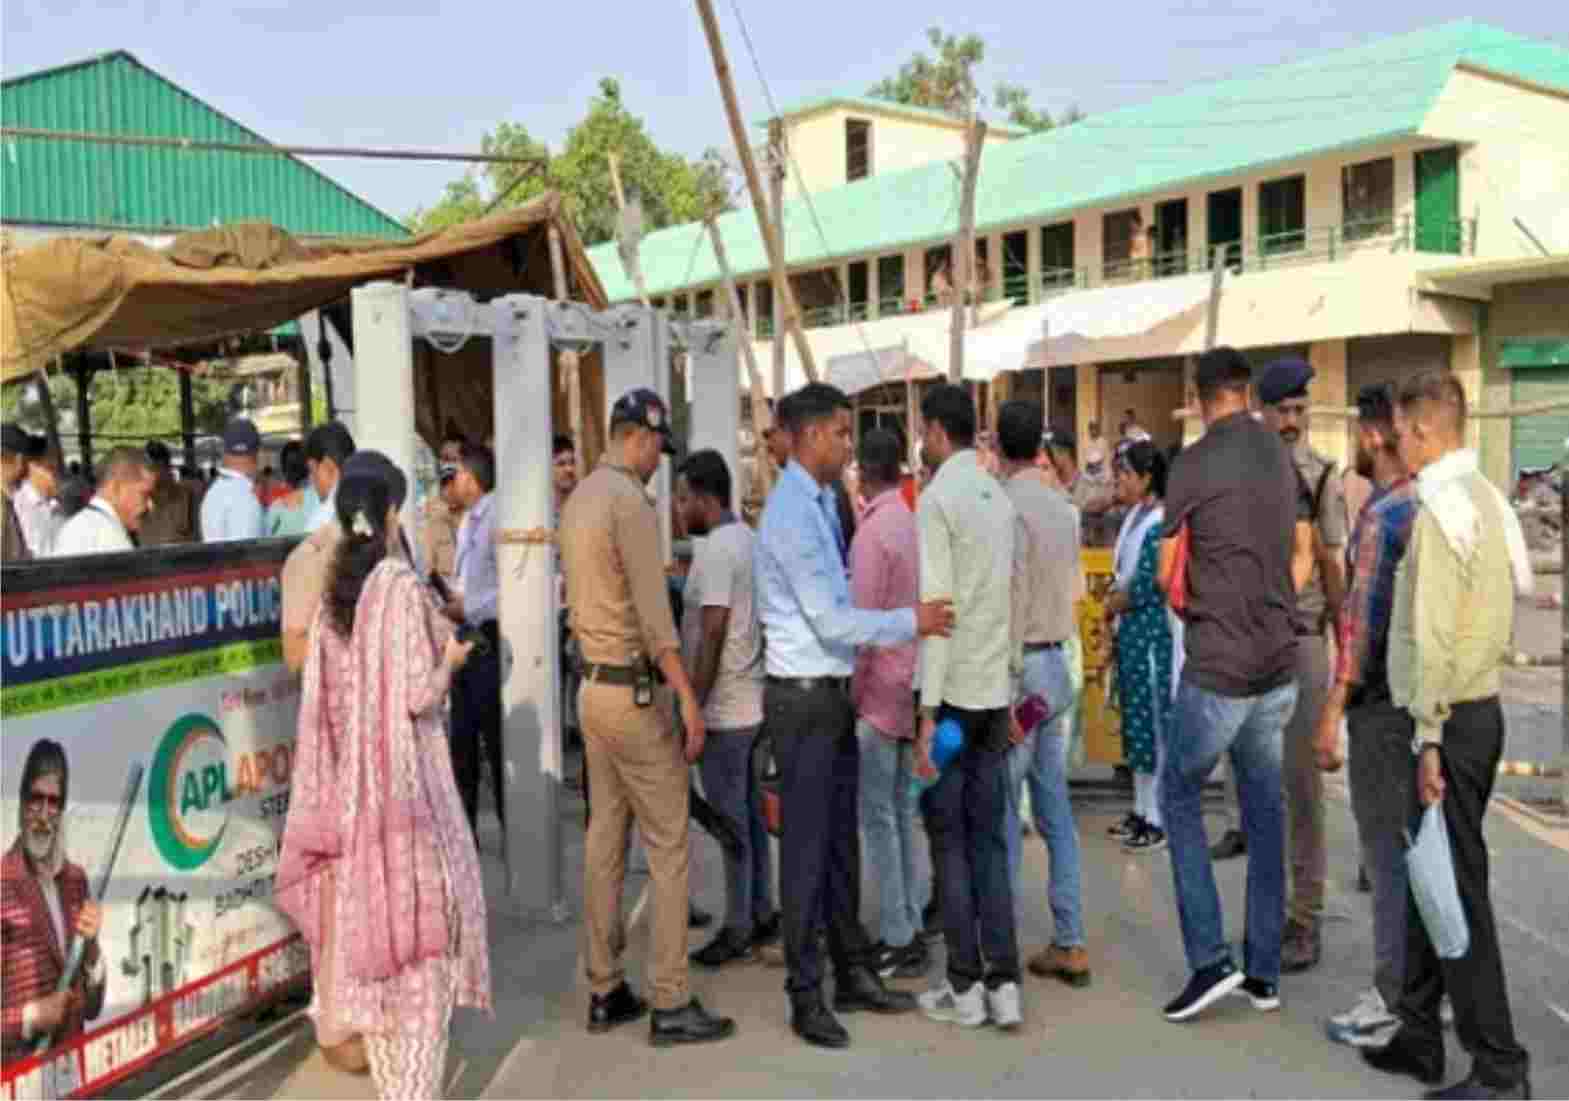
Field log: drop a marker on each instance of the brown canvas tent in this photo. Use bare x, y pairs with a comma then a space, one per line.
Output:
115, 293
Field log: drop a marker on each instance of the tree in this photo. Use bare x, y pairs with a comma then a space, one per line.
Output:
672, 189
945, 80
127, 405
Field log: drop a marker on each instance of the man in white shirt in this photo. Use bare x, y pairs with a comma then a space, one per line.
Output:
966, 524
327, 448
476, 688
231, 510
38, 500
722, 645
125, 487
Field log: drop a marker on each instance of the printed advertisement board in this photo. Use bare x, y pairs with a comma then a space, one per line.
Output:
157, 678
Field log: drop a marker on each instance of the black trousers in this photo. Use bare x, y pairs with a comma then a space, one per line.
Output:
969, 833
476, 726
813, 732
1473, 743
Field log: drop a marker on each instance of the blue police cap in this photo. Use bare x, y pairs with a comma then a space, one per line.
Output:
1284, 378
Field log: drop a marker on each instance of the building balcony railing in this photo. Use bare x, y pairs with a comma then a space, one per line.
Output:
1268, 252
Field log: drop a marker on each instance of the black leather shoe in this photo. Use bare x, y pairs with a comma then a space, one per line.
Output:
1472, 1087
1301, 948
728, 947
1402, 1055
606, 1011
768, 931
691, 1024
1233, 843
698, 918
862, 989
810, 1020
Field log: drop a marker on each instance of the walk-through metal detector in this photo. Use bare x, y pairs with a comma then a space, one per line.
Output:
638, 346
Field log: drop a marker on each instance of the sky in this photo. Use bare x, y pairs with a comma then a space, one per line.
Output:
386, 73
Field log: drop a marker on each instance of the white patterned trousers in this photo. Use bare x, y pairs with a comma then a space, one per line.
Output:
409, 1060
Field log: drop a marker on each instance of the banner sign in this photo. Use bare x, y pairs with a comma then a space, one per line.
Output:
148, 745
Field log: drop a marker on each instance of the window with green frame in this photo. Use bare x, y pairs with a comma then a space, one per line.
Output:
1057, 266
890, 283
1282, 215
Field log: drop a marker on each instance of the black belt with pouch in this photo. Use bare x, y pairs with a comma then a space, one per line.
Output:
639, 678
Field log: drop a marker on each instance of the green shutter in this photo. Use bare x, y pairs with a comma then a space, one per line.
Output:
1538, 438
1515, 354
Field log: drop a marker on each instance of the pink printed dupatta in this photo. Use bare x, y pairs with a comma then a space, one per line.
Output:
373, 797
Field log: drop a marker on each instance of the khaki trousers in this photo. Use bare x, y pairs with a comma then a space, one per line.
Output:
636, 773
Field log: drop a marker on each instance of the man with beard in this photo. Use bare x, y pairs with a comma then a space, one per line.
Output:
44, 909
1380, 733
1282, 390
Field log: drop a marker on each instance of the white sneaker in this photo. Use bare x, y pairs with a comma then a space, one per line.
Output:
1002, 1006
1368, 1018
967, 1010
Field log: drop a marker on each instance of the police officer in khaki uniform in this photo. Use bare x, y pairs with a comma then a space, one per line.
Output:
637, 768
1283, 392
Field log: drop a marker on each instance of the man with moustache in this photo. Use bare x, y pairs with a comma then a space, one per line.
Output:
1379, 732
1283, 392
45, 907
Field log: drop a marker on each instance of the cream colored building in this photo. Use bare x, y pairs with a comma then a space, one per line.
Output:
1347, 195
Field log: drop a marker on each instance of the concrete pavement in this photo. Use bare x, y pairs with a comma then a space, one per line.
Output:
1106, 1041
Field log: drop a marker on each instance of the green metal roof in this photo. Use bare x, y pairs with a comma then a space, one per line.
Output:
49, 182
1347, 99
881, 106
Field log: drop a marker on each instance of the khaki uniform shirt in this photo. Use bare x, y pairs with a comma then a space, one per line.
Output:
13, 547
439, 539
305, 576
616, 590
1453, 615
1330, 526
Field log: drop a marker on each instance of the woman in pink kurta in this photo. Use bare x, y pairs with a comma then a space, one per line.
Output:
375, 807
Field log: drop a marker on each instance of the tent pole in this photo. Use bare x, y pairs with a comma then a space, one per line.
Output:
188, 418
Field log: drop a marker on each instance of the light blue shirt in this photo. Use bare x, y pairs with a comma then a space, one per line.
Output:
476, 561
810, 627
324, 513
231, 511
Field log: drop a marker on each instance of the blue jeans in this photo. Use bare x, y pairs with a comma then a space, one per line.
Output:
1041, 760
1204, 726
730, 786
888, 820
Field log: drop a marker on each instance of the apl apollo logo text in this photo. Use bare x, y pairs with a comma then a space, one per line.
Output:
190, 795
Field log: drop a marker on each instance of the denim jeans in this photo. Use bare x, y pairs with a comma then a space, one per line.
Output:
731, 787
1041, 761
888, 809
969, 807
1249, 729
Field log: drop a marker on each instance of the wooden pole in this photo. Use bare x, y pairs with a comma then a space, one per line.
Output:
188, 419
51, 417
625, 246
84, 413
760, 419
307, 412
964, 247
754, 184
776, 178
569, 360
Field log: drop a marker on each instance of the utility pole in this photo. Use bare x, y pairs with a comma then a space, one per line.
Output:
964, 246
760, 418
776, 178
754, 184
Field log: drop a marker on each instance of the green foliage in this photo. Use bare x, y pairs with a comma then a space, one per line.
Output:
136, 402
672, 189
945, 80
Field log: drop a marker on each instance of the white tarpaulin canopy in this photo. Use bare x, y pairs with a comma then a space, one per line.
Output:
1056, 332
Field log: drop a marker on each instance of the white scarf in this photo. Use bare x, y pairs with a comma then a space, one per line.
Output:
1441, 489
1130, 541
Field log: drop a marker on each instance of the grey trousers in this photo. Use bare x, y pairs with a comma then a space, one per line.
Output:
1306, 853
1381, 772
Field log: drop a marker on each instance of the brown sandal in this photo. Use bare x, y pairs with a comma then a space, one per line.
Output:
349, 1056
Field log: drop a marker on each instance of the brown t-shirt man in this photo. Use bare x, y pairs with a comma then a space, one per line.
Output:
1239, 494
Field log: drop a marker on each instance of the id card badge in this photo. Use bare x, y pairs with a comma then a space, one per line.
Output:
643, 689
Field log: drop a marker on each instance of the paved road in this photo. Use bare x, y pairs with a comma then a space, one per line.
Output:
1107, 1041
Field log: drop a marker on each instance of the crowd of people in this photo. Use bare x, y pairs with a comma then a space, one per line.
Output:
872, 662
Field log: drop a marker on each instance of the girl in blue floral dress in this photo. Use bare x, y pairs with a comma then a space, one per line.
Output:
1144, 639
